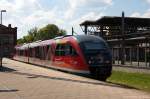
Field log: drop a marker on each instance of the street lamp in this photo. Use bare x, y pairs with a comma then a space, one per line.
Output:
1, 14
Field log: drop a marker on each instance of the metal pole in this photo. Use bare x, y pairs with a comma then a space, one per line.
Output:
145, 54
122, 43
118, 58
130, 55
1, 17
85, 29
72, 31
1, 14
1, 54
149, 53
138, 55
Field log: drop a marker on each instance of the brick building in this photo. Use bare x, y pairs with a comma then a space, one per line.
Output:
8, 39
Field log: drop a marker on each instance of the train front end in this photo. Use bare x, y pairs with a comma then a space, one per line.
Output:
97, 56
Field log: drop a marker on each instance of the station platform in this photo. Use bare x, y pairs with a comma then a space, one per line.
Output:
25, 81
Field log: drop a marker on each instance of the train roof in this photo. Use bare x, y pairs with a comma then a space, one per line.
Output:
79, 38
84, 38
34, 44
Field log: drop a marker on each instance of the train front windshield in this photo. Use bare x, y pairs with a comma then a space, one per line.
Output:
94, 45
96, 52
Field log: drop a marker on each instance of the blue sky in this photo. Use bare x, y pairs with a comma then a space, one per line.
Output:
26, 14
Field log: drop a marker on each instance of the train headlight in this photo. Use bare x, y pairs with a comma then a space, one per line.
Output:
75, 62
107, 61
90, 62
100, 58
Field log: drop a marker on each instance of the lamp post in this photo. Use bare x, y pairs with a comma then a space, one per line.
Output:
1, 14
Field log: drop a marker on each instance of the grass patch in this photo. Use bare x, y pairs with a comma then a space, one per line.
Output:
137, 80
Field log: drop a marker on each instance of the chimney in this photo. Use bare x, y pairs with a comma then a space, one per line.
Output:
9, 25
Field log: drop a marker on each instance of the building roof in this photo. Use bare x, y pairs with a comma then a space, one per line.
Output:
116, 21
3, 26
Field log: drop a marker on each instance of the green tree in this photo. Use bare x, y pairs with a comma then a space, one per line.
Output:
48, 32
62, 32
32, 34
20, 41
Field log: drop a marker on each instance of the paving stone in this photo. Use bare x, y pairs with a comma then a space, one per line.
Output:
25, 81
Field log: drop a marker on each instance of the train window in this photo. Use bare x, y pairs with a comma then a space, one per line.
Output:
70, 50
42, 52
94, 45
21, 52
30, 52
65, 50
48, 52
24, 52
57, 51
60, 50
47, 48
38, 52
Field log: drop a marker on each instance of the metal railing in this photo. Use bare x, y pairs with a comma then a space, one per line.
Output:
134, 57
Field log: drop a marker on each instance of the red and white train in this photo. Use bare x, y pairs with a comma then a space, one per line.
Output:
77, 54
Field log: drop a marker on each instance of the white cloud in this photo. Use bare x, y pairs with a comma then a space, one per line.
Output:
147, 14
26, 14
85, 10
144, 15
136, 14
76, 5
148, 1
89, 16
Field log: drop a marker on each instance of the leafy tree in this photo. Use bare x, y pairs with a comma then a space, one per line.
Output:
20, 41
32, 34
62, 32
48, 32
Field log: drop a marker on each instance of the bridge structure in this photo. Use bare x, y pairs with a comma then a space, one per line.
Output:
128, 38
